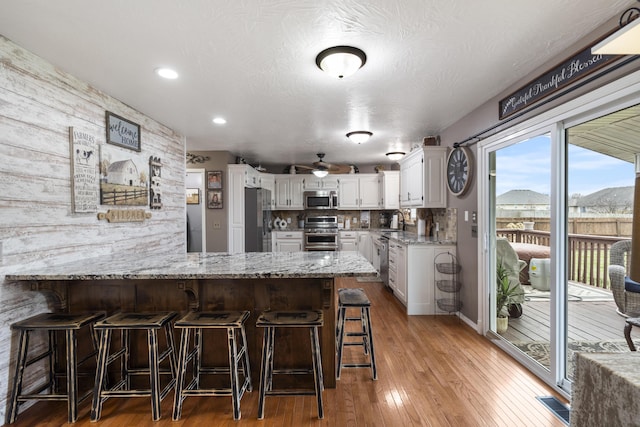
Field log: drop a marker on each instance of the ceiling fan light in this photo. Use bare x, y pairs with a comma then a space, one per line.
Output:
341, 61
395, 155
359, 136
320, 173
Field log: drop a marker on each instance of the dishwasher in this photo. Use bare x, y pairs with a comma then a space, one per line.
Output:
382, 246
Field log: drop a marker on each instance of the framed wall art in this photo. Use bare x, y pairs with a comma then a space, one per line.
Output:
214, 180
85, 190
214, 199
122, 132
193, 196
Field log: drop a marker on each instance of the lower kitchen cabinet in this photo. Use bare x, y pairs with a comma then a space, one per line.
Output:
348, 240
287, 241
365, 245
398, 270
411, 275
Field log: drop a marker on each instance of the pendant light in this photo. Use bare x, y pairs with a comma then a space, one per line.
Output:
624, 41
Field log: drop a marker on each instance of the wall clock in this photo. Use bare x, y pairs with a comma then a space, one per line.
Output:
459, 170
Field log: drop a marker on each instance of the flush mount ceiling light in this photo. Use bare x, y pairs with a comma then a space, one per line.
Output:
167, 73
341, 61
625, 41
359, 136
219, 121
395, 155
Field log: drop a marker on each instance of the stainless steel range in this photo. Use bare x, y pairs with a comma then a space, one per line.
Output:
321, 233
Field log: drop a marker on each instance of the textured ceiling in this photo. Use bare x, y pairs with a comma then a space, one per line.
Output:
430, 62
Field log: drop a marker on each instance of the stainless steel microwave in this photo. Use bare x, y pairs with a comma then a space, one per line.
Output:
320, 199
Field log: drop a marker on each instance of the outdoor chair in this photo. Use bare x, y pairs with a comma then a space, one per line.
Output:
626, 293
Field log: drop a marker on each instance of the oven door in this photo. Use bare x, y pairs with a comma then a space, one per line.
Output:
320, 241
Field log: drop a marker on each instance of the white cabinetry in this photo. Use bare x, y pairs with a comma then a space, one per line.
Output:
365, 245
358, 191
348, 240
422, 178
268, 182
251, 177
329, 182
235, 202
288, 192
398, 270
411, 275
389, 189
287, 241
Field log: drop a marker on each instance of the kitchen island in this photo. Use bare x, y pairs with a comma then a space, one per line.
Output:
211, 281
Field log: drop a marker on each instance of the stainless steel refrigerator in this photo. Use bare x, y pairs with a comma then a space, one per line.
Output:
257, 220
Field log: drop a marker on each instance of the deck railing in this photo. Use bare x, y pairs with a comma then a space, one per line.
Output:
588, 255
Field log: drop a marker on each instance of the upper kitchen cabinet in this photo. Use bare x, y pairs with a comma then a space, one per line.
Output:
329, 182
268, 182
252, 178
359, 191
288, 192
389, 189
422, 178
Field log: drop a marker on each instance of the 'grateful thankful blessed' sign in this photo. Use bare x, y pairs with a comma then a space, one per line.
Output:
568, 72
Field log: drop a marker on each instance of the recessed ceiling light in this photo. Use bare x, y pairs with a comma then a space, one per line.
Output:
219, 120
167, 73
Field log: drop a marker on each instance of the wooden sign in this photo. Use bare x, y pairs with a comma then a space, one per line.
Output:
122, 132
84, 179
570, 71
121, 215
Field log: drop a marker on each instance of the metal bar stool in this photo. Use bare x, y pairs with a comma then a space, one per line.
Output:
125, 323
355, 298
272, 320
70, 324
233, 322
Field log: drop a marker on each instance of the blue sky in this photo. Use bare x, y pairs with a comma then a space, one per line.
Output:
527, 166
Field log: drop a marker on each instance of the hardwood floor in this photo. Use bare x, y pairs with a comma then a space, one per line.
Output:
433, 371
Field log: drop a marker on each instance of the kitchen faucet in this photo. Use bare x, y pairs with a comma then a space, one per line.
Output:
404, 224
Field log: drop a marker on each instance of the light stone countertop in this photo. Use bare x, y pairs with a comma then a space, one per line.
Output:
409, 238
250, 265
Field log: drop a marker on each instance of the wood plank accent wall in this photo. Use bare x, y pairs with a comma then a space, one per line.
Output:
38, 104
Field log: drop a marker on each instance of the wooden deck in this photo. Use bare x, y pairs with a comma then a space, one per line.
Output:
588, 321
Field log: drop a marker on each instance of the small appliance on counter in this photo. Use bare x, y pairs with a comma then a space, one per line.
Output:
394, 222
365, 219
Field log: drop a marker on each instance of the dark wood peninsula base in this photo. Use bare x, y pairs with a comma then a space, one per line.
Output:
255, 295
210, 281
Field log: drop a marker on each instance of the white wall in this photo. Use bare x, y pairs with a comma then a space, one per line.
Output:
38, 104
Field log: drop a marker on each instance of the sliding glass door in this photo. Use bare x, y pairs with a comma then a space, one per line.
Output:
599, 212
520, 250
556, 199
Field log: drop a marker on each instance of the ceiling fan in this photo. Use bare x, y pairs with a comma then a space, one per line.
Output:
320, 167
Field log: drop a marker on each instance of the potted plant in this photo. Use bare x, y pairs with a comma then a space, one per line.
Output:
506, 296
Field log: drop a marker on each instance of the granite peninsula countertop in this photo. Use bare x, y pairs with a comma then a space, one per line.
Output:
250, 265
409, 238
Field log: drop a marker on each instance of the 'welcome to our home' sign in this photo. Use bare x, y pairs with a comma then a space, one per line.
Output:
569, 71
